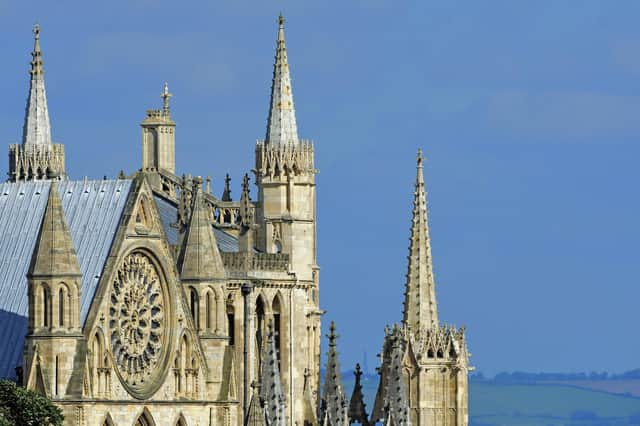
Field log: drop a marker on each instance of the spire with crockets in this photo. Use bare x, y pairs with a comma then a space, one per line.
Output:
420, 309
281, 124
37, 130
334, 408
357, 406
271, 386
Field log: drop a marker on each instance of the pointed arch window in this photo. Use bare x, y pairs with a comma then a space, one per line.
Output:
195, 308
46, 306
231, 322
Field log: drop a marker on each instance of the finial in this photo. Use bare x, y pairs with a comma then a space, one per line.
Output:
36, 62
226, 194
165, 98
281, 28
36, 31
281, 20
420, 157
209, 184
332, 336
245, 184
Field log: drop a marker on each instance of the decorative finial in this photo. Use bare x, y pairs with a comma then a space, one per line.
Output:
226, 194
281, 20
165, 98
36, 31
420, 157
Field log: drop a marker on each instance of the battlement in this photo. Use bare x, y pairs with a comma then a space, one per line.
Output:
36, 162
278, 160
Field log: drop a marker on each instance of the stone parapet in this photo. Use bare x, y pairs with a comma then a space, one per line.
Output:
255, 261
36, 162
284, 159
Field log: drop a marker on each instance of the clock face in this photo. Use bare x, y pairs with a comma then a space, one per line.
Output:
137, 322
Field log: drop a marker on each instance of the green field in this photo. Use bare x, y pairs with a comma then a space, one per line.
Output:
536, 405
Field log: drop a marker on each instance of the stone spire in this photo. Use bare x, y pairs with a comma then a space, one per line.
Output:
271, 387
37, 130
200, 258
357, 406
397, 399
226, 194
257, 415
334, 402
54, 254
281, 124
420, 309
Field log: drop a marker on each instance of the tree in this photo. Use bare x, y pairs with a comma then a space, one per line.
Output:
22, 407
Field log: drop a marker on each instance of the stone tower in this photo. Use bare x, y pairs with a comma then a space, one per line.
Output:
285, 176
36, 158
424, 364
158, 137
55, 333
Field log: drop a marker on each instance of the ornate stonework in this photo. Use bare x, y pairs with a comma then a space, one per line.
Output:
137, 322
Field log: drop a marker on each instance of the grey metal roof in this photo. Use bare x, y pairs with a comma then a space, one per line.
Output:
93, 210
168, 215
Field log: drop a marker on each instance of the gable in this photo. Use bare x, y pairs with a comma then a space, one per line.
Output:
92, 210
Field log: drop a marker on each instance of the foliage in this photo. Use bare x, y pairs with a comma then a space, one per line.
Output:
22, 407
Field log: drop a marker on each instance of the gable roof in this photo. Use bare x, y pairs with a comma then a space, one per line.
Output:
92, 210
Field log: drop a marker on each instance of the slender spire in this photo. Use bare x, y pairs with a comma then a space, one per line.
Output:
420, 308
257, 415
54, 254
281, 124
200, 258
36, 130
335, 409
246, 207
357, 406
271, 387
397, 399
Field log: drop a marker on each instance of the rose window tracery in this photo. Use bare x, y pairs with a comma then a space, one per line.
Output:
137, 319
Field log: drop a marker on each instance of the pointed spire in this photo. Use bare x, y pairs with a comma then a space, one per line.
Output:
335, 411
420, 308
271, 387
246, 207
54, 254
397, 398
36, 130
281, 124
200, 258
257, 415
357, 406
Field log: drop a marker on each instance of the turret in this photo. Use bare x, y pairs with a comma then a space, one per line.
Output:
158, 138
54, 281
37, 157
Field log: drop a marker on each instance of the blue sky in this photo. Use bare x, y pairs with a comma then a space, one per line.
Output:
527, 113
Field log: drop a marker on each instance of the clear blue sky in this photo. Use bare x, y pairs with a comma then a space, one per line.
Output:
527, 112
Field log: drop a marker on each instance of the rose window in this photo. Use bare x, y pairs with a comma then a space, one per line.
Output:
136, 319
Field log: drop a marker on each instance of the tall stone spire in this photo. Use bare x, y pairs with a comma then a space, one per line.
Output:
271, 386
334, 402
37, 130
281, 124
54, 254
200, 259
357, 406
420, 308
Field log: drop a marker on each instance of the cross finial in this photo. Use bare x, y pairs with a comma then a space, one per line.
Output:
281, 20
36, 31
165, 98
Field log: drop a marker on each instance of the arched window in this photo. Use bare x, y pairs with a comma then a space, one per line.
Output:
209, 310
231, 321
277, 325
46, 307
61, 306
194, 307
181, 421
145, 419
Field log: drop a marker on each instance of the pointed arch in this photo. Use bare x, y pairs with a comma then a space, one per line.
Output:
45, 299
209, 310
182, 421
64, 306
231, 319
194, 306
145, 418
108, 421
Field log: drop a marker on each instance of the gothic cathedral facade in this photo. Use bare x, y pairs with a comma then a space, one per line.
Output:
147, 300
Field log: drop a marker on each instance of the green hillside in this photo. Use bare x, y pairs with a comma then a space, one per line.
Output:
535, 405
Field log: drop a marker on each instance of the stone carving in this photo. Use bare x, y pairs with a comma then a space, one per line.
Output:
136, 319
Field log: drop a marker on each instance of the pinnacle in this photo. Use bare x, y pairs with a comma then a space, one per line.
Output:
201, 258
54, 254
37, 129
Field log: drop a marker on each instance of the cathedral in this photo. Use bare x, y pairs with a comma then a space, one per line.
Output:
147, 300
